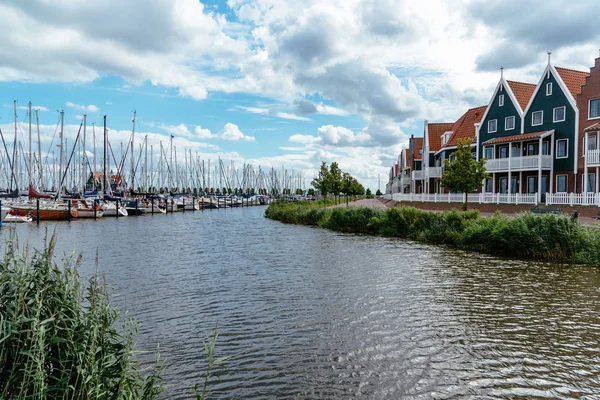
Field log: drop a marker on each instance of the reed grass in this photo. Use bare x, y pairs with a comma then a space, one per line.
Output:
59, 336
526, 235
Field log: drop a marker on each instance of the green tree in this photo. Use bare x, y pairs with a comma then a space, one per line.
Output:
322, 181
336, 177
311, 192
465, 174
378, 193
368, 193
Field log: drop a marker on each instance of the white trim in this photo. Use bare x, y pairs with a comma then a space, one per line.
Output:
501, 100
566, 150
495, 128
549, 86
564, 114
566, 182
535, 112
503, 84
506, 119
590, 108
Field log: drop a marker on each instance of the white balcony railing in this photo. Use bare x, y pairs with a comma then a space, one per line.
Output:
405, 180
434, 172
417, 175
518, 163
593, 157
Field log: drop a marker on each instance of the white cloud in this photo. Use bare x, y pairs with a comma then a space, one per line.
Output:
304, 139
202, 133
273, 113
33, 108
89, 108
232, 132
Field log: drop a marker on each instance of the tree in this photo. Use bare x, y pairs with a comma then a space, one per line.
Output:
465, 174
378, 192
336, 179
368, 193
322, 181
311, 192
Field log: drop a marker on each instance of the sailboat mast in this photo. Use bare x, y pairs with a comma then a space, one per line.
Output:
146, 162
132, 152
94, 140
84, 155
104, 177
60, 160
14, 160
41, 170
30, 153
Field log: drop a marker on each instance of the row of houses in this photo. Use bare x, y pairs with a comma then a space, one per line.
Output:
536, 139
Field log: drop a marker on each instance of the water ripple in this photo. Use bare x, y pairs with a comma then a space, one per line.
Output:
308, 313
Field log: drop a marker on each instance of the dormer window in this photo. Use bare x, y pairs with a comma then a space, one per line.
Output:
446, 137
548, 89
501, 100
492, 126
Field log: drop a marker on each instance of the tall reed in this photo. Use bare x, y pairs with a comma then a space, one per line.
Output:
59, 337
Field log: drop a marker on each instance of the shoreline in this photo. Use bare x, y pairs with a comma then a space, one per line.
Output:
555, 238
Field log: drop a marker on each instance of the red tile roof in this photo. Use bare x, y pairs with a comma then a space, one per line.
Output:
573, 79
464, 127
522, 91
418, 145
436, 130
515, 138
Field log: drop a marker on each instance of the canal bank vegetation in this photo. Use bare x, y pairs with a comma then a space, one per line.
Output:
332, 180
60, 337
543, 237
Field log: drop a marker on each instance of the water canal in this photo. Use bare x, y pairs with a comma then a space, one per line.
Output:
308, 313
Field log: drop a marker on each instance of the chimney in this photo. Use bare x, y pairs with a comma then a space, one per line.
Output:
549, 55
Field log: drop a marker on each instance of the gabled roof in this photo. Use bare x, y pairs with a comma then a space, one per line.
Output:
435, 132
464, 127
418, 145
573, 79
522, 91
517, 138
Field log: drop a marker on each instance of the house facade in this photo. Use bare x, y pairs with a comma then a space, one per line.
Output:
588, 102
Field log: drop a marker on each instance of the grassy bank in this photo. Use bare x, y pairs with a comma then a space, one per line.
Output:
544, 237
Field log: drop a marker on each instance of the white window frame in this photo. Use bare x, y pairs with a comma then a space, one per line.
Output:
566, 183
487, 148
505, 123
495, 121
549, 89
566, 148
501, 100
532, 119
590, 108
564, 114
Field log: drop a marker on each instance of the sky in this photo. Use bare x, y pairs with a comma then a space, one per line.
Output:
277, 83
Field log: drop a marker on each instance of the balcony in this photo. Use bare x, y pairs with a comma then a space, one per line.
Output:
405, 180
527, 163
434, 172
417, 175
593, 158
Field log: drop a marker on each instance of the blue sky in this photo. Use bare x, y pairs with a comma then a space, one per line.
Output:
276, 83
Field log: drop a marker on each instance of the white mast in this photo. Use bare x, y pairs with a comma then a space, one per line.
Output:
132, 156
60, 160
84, 156
41, 171
30, 153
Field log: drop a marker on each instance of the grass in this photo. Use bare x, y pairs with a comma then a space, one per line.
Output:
526, 235
60, 338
